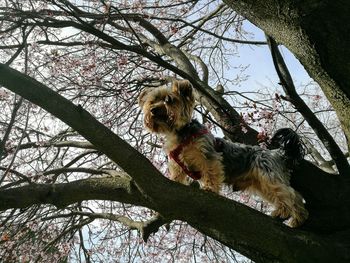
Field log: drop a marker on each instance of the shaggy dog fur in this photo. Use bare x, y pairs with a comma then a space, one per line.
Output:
194, 152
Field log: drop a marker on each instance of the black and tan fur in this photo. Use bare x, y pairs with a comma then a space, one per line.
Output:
168, 111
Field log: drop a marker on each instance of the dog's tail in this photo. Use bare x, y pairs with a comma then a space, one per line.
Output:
289, 142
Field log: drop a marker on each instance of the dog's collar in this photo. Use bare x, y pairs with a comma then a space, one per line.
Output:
174, 154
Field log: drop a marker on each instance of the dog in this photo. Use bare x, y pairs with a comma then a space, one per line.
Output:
195, 153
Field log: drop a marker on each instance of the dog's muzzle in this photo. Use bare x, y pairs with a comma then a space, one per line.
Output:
160, 113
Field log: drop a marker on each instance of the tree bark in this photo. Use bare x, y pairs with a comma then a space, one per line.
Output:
316, 32
265, 240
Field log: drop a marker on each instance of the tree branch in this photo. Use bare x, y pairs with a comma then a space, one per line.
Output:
16, 106
292, 96
58, 144
145, 228
120, 189
312, 32
230, 121
216, 216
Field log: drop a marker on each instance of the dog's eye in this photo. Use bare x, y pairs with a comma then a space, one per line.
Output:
168, 99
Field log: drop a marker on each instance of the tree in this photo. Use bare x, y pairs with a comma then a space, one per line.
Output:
95, 56
314, 32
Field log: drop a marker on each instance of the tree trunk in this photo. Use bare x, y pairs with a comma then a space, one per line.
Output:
317, 33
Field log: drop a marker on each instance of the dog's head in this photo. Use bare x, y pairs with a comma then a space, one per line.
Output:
167, 110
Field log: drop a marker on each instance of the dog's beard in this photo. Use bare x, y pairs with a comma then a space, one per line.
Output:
171, 119
164, 121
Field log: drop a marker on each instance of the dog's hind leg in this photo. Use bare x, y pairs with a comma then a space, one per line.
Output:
287, 201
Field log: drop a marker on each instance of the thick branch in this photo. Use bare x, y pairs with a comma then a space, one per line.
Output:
119, 189
216, 216
230, 121
292, 96
79, 119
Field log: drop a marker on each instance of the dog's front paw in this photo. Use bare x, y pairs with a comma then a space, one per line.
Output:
281, 212
299, 219
212, 189
195, 184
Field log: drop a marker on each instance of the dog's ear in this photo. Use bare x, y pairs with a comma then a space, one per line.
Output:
183, 88
142, 96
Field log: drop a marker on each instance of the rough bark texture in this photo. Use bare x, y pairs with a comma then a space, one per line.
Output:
265, 240
316, 32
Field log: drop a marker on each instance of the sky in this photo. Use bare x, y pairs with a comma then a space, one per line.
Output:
261, 69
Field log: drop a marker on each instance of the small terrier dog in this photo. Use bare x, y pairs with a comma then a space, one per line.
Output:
194, 152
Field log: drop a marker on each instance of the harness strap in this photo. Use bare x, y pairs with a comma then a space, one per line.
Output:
174, 154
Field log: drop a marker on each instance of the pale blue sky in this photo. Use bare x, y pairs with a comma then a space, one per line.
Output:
261, 69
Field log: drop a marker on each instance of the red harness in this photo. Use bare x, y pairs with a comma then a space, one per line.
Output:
174, 154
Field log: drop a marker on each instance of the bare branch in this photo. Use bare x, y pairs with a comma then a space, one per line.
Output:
145, 228
292, 96
58, 144
16, 106
180, 203
120, 189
